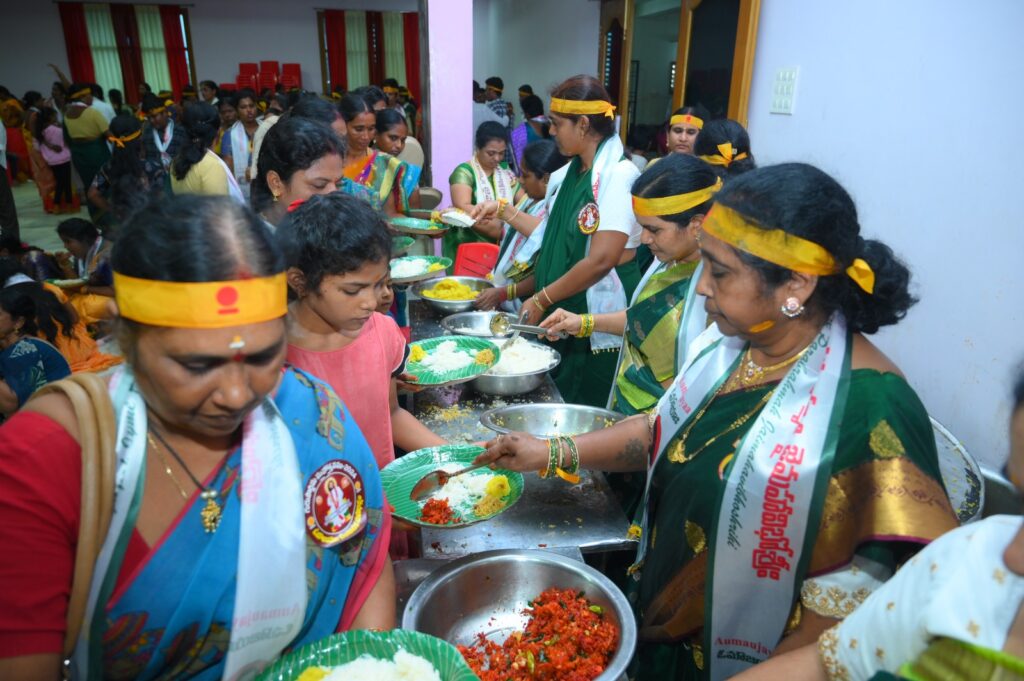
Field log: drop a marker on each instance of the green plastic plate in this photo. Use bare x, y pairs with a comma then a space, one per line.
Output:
340, 649
401, 244
424, 275
429, 377
402, 474
407, 225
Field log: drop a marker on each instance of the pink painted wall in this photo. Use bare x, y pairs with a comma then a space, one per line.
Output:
450, 29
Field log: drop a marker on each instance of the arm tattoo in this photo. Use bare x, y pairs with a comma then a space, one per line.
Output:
634, 456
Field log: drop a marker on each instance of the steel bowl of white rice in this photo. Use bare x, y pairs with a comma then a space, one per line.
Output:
520, 370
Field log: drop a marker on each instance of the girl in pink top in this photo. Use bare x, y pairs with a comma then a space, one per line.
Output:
57, 154
338, 250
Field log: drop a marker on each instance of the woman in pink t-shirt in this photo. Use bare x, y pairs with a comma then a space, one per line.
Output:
338, 250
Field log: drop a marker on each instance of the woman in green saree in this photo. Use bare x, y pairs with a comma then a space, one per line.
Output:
670, 201
484, 178
587, 261
88, 130
791, 467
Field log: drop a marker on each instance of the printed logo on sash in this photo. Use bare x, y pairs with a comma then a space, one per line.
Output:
589, 218
334, 503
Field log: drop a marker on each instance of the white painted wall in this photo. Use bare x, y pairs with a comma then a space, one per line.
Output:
30, 37
224, 33
538, 42
914, 107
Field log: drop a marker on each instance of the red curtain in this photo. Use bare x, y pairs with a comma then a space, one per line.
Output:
375, 46
174, 44
76, 41
337, 63
126, 32
411, 33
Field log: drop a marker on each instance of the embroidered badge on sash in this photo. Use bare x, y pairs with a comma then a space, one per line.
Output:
334, 503
589, 219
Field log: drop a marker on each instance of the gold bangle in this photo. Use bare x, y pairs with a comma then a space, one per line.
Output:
510, 292
545, 292
536, 301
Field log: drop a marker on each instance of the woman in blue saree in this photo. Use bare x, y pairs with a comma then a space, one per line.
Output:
26, 363
249, 516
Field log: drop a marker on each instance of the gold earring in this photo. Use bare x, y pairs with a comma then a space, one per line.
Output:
275, 198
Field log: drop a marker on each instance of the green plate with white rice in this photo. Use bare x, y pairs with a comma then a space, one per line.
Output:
450, 359
462, 492
407, 225
347, 647
410, 269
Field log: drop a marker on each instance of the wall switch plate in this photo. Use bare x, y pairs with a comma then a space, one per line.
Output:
784, 91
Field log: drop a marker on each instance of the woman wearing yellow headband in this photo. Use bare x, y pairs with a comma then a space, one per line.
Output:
587, 259
683, 128
233, 473
794, 468
670, 201
128, 179
88, 129
725, 144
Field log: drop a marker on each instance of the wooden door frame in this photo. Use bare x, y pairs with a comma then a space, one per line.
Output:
626, 17
742, 60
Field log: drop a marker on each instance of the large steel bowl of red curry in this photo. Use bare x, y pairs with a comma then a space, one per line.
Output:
527, 614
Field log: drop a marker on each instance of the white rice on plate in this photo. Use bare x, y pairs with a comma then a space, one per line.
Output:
403, 269
447, 357
404, 667
521, 357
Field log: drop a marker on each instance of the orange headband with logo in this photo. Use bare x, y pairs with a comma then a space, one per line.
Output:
687, 119
582, 107
201, 305
80, 93
782, 248
391, 90
495, 89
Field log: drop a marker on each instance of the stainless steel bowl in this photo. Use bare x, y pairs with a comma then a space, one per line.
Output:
472, 324
450, 306
549, 420
515, 384
487, 592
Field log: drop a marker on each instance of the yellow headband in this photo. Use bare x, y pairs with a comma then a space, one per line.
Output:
201, 305
156, 110
495, 89
782, 248
672, 205
81, 93
335, 95
524, 93
582, 107
391, 90
687, 119
725, 156
120, 141
169, 102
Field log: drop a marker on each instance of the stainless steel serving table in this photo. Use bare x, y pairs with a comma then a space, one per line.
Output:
551, 514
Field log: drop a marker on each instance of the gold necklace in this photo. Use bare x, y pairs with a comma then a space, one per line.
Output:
677, 453
211, 511
751, 373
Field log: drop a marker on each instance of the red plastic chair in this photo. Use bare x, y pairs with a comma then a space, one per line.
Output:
475, 259
266, 81
269, 67
228, 86
246, 81
290, 81
248, 68
291, 69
